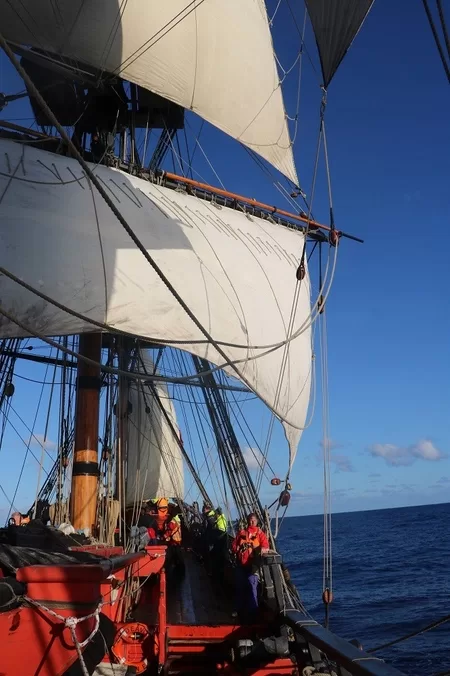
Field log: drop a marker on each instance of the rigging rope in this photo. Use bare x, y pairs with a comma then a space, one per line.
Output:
436, 37
327, 534
326, 444
28, 450
44, 441
423, 630
291, 322
444, 26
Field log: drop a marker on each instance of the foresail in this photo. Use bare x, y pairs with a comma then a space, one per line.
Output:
154, 460
212, 57
236, 272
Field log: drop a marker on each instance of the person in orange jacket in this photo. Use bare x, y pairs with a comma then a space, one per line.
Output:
160, 521
248, 545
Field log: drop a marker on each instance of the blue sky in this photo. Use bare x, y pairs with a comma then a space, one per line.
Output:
388, 319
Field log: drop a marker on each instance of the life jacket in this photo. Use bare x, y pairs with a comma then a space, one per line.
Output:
246, 545
174, 529
158, 527
221, 523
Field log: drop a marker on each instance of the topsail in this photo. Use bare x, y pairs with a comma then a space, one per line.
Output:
209, 56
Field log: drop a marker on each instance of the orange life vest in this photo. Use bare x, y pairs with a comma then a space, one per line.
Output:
175, 530
246, 545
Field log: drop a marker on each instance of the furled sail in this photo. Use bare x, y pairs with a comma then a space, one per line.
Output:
154, 461
212, 57
335, 24
236, 272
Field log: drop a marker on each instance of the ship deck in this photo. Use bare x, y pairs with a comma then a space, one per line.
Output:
194, 599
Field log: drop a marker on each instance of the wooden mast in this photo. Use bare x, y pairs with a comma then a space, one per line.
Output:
85, 471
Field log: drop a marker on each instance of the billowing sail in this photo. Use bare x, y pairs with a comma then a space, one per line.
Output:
236, 272
212, 57
154, 460
335, 24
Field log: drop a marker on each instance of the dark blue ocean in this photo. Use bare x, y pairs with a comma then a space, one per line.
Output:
391, 576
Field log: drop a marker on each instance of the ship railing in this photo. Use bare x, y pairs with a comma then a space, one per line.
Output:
351, 660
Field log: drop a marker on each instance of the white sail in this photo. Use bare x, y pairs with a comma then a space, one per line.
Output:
154, 460
237, 273
213, 57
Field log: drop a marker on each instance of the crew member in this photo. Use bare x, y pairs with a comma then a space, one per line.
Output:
221, 521
209, 516
248, 545
158, 529
18, 519
172, 534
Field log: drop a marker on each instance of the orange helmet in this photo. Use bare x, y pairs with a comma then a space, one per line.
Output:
162, 503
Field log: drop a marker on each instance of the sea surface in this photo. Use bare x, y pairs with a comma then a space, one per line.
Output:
391, 576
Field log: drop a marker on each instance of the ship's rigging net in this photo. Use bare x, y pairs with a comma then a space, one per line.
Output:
212, 57
156, 454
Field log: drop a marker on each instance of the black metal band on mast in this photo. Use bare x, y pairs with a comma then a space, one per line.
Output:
239, 478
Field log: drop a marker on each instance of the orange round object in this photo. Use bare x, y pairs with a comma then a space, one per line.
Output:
130, 646
327, 596
275, 481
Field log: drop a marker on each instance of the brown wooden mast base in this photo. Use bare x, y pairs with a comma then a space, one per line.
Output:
85, 470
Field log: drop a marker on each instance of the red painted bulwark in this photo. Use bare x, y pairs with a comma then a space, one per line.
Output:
152, 563
32, 641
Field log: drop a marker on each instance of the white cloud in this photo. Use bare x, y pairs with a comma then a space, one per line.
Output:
38, 440
253, 458
398, 456
426, 450
330, 444
342, 462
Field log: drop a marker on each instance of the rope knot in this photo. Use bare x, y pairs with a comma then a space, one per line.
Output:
71, 622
